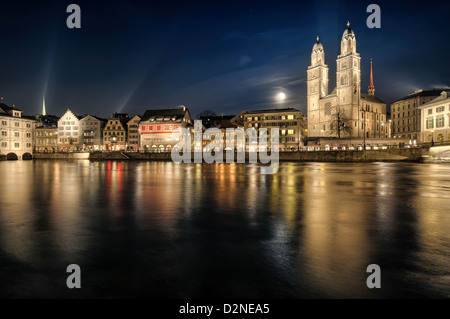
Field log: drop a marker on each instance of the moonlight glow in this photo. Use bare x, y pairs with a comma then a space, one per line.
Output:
281, 96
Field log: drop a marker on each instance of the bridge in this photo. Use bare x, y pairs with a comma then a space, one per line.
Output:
439, 153
16, 155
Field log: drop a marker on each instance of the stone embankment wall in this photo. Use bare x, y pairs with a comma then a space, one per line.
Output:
407, 154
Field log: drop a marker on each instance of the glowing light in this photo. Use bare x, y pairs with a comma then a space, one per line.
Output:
281, 96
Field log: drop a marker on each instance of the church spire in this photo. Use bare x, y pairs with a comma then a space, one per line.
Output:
44, 113
371, 90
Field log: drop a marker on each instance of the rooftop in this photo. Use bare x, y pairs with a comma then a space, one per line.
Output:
274, 111
164, 115
371, 98
420, 93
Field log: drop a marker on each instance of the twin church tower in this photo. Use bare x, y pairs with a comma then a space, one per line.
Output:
359, 114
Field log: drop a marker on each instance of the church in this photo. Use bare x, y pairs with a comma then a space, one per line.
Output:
345, 112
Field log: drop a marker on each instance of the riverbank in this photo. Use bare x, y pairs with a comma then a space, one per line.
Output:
390, 155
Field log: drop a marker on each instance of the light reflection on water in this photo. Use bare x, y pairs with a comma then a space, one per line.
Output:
159, 229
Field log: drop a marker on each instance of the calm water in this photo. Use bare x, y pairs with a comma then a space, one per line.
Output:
157, 229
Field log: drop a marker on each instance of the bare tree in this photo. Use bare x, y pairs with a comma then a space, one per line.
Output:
206, 113
340, 123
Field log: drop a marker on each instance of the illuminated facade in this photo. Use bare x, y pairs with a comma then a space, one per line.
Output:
290, 123
46, 139
115, 132
92, 132
159, 128
133, 133
405, 113
359, 114
435, 120
16, 132
69, 133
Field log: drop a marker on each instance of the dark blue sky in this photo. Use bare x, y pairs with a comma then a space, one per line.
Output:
225, 56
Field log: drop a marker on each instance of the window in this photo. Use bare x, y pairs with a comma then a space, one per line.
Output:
430, 111
3, 122
4, 144
328, 109
16, 124
16, 134
16, 145
440, 109
4, 133
440, 122
291, 132
291, 117
429, 124
344, 80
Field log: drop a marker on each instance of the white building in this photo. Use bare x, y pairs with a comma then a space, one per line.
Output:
69, 132
16, 133
435, 119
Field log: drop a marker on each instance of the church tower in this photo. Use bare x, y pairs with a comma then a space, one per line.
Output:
348, 77
371, 89
317, 86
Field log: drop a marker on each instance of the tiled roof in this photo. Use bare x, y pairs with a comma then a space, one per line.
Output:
371, 98
164, 115
434, 92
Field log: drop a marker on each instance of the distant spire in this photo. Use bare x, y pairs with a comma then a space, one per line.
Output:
348, 24
317, 38
44, 113
371, 90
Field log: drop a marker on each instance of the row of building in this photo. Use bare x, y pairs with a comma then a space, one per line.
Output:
422, 116
343, 116
154, 131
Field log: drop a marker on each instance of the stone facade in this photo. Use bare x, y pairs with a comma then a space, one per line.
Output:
405, 113
46, 139
344, 112
115, 132
133, 133
16, 132
92, 132
290, 123
435, 120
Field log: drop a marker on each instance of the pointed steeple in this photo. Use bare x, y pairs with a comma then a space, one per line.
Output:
44, 112
371, 90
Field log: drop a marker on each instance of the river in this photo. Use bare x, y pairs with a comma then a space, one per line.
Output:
166, 230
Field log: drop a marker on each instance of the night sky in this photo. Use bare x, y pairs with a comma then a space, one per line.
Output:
226, 56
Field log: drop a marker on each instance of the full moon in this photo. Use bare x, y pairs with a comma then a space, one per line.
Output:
281, 96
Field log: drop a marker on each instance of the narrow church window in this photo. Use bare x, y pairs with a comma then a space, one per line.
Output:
328, 108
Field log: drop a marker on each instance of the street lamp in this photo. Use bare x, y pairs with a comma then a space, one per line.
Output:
114, 141
432, 137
